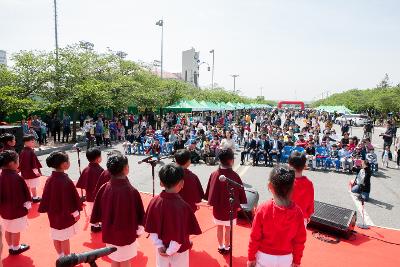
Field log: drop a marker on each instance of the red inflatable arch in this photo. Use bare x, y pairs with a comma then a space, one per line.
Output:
284, 103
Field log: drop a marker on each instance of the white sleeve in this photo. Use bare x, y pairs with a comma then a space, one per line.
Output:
173, 248
140, 230
28, 205
75, 213
156, 241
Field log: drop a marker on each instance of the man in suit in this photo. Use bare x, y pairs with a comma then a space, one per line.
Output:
127, 123
276, 148
249, 148
264, 149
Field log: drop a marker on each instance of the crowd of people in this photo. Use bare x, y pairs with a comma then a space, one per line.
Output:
302, 139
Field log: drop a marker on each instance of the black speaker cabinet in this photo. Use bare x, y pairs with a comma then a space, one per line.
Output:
333, 219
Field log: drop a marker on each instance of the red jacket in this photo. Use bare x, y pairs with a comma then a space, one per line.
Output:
277, 231
303, 195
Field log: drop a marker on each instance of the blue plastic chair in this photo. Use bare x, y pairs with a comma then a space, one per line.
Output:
285, 153
323, 153
299, 149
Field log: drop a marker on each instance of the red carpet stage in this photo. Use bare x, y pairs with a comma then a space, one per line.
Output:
360, 251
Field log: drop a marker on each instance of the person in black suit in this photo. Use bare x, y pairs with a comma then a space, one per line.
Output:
127, 123
249, 148
276, 148
264, 149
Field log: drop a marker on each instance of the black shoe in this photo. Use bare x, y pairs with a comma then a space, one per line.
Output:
22, 248
242, 163
95, 228
222, 251
36, 199
227, 250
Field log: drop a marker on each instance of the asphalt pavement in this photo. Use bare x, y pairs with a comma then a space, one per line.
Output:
383, 208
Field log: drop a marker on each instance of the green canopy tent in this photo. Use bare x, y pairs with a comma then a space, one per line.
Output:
180, 106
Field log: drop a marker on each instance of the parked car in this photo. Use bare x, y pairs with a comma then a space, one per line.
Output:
354, 119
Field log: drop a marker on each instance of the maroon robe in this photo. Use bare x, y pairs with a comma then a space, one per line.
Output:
217, 194
27, 162
88, 180
172, 219
119, 208
105, 176
192, 192
60, 199
13, 194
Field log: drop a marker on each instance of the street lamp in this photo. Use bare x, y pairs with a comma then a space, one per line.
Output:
234, 81
161, 24
212, 73
198, 71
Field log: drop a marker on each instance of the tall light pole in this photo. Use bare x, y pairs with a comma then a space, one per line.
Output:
212, 73
161, 24
234, 81
56, 33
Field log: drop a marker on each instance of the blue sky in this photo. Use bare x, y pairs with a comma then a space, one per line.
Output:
294, 49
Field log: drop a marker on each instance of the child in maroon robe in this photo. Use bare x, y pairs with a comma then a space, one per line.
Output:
7, 142
61, 202
119, 207
170, 220
217, 194
30, 166
278, 234
192, 192
15, 201
88, 181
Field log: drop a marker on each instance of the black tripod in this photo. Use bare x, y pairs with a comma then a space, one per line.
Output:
78, 150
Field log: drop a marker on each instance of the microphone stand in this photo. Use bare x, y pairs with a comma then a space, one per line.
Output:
231, 206
153, 162
78, 150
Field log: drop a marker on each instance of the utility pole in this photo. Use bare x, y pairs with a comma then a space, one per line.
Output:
234, 81
212, 73
56, 34
161, 24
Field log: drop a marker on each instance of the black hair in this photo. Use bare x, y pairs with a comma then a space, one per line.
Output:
297, 160
116, 163
6, 137
170, 175
8, 156
92, 154
56, 158
28, 138
225, 156
282, 180
182, 156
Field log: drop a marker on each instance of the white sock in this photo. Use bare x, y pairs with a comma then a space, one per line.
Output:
221, 246
61, 255
11, 247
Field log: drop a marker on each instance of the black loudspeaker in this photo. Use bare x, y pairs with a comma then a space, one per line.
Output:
248, 210
333, 219
17, 132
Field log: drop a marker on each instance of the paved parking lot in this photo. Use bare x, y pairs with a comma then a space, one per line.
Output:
383, 208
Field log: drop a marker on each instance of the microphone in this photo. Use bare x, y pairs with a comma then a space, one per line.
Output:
76, 147
223, 178
145, 160
85, 257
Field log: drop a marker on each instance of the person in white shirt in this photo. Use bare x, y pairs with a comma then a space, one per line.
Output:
227, 142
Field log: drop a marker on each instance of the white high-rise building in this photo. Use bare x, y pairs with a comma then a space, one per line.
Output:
3, 57
190, 66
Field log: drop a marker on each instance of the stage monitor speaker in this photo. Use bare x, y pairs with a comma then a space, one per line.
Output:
333, 219
17, 132
248, 210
